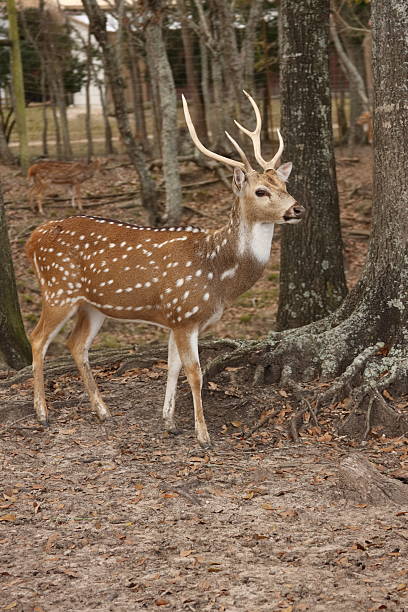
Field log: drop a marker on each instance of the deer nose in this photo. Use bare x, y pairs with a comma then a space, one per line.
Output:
294, 212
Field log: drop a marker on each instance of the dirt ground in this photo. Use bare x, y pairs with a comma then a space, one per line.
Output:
122, 517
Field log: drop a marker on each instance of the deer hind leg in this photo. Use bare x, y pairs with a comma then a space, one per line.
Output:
37, 193
51, 321
88, 323
174, 367
187, 345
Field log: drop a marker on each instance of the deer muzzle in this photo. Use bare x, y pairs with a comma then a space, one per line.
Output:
294, 214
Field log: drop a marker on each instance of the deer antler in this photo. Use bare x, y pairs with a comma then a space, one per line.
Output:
244, 165
255, 136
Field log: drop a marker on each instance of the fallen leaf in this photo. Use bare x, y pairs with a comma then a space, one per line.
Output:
161, 602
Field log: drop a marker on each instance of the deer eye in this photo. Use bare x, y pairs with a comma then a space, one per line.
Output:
261, 193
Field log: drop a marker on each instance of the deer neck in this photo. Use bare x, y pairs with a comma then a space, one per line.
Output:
240, 250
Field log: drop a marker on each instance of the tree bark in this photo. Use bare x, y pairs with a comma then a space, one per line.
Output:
15, 349
312, 281
157, 55
97, 21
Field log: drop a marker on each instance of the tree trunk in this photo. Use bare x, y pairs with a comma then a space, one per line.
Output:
6, 155
57, 129
18, 84
15, 349
97, 21
88, 116
368, 65
137, 95
44, 131
197, 110
312, 281
205, 88
356, 132
248, 45
157, 56
56, 82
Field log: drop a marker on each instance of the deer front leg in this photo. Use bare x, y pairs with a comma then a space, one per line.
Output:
187, 344
174, 367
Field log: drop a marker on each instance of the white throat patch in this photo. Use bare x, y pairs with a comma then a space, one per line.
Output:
260, 241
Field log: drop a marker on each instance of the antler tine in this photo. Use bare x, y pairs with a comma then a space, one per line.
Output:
201, 147
271, 164
240, 151
255, 136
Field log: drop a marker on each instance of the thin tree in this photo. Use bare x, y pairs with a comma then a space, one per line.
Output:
312, 281
6, 155
18, 84
157, 56
192, 74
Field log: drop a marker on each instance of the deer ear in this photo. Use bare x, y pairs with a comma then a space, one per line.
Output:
284, 171
238, 181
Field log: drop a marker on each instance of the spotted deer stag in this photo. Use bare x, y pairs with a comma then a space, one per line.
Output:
179, 278
72, 174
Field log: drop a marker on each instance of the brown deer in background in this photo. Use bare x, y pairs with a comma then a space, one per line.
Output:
72, 174
179, 278
366, 121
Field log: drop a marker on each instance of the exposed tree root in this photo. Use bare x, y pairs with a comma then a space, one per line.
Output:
290, 359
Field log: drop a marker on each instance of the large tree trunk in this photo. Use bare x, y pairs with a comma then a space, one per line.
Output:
157, 56
312, 281
97, 21
363, 345
15, 349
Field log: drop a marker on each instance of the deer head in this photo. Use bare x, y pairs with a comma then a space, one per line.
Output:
263, 196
